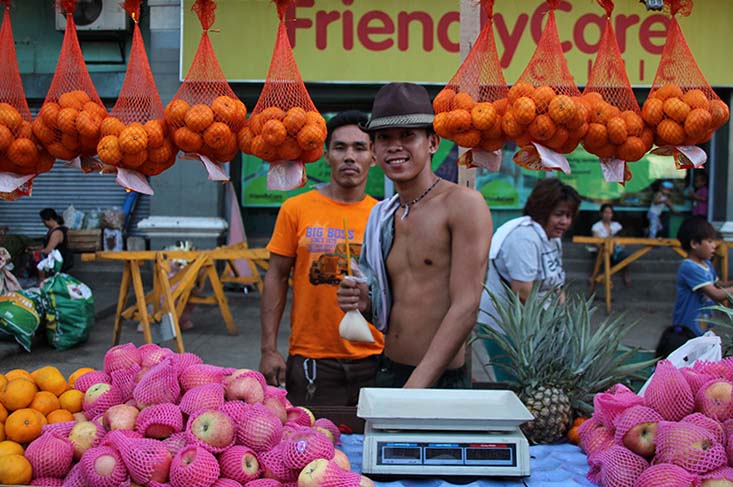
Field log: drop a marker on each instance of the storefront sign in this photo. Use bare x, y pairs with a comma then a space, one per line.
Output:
418, 40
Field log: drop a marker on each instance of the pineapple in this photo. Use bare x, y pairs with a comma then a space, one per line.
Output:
558, 362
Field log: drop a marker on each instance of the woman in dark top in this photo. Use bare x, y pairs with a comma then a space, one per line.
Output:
56, 237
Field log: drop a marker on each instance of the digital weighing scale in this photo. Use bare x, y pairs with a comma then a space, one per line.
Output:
443, 433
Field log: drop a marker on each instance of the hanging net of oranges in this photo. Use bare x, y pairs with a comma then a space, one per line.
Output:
71, 116
468, 110
205, 115
616, 132
544, 105
284, 125
682, 108
20, 154
134, 136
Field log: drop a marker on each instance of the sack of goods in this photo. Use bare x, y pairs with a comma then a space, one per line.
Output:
70, 312
18, 318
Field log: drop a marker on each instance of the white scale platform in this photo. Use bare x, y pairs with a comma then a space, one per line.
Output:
443, 433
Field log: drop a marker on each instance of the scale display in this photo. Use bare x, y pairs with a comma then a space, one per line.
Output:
464, 454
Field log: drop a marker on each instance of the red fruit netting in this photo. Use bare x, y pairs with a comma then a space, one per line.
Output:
695, 379
722, 369
336, 477
87, 380
116, 476
59, 429
121, 357
304, 446
175, 442
159, 418
723, 473
633, 416
666, 475
594, 436
329, 426
620, 467
160, 385
669, 393
124, 380
255, 374
608, 405
299, 416
75, 477
689, 446
201, 374
713, 426
141, 456
106, 400
50, 456
224, 482
221, 419
200, 471
273, 465
207, 396
259, 429
715, 401
48, 481
276, 392
187, 359
152, 354
263, 483
231, 463
235, 410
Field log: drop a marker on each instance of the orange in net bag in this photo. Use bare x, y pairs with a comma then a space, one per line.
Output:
546, 116
468, 110
70, 118
134, 135
205, 115
285, 128
616, 132
682, 108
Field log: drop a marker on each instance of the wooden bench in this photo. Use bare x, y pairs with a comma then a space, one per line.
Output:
81, 241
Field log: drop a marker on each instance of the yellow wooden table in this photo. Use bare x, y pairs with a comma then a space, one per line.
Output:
172, 294
607, 245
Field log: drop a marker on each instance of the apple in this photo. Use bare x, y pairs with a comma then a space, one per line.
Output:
104, 465
300, 415
95, 392
340, 459
239, 463
642, 439
313, 474
83, 435
716, 483
366, 482
193, 466
162, 467
259, 429
79, 417
277, 408
326, 433
120, 417
213, 428
715, 398
246, 388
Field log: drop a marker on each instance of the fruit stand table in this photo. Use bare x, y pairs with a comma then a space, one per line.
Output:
172, 294
606, 247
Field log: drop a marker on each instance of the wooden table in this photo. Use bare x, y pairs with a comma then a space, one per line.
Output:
607, 245
172, 294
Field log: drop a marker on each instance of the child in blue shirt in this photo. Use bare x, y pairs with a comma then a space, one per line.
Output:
697, 284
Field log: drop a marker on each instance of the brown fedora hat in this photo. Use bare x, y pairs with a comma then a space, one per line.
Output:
401, 105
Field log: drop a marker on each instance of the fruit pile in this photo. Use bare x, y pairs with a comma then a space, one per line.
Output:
153, 417
278, 135
207, 129
19, 152
679, 434
132, 146
683, 117
467, 123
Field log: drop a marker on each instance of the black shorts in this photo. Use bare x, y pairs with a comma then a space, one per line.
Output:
394, 374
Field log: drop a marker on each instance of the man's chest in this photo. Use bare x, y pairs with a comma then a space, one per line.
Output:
422, 244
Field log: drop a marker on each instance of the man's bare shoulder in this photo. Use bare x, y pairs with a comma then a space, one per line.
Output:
464, 198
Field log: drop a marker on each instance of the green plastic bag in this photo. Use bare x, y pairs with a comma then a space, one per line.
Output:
18, 318
70, 312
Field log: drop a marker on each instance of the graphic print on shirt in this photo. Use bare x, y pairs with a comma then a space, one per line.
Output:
327, 249
554, 275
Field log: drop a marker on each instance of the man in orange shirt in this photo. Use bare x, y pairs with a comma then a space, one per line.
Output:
322, 368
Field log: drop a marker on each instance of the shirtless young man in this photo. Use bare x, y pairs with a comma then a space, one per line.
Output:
425, 251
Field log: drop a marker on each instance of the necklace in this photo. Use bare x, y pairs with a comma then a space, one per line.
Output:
412, 203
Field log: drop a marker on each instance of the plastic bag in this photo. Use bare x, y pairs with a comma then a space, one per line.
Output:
284, 125
468, 110
112, 218
353, 326
69, 122
92, 219
70, 312
52, 263
18, 318
73, 218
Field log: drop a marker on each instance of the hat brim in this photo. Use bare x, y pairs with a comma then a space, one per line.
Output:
417, 120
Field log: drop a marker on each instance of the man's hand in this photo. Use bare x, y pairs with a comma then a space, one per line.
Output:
272, 366
353, 295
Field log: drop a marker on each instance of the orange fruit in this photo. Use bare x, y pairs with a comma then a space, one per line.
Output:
71, 142
225, 109
600, 112
69, 100
273, 113
616, 128
443, 101
500, 105
289, 150
294, 120
49, 114
676, 109
43, 133
458, 121
133, 139
255, 124
671, 132
632, 149
15, 470
494, 132
469, 138
50, 379
187, 140
18, 374
24, 425
95, 108
574, 435
199, 117
3, 413
483, 116
562, 109
175, 113
647, 136
66, 120
542, 128
491, 144
8, 447
274, 132
696, 99
463, 101
88, 123
309, 137
9, 116
591, 98
155, 129
311, 155
134, 160
60, 151
111, 126
542, 97
244, 139
24, 130
653, 111
45, 402
524, 110
698, 122
634, 122
109, 150
6, 138
71, 400
559, 139
18, 394
263, 150
163, 154
518, 90
59, 416
510, 126
2, 431
440, 124
78, 373
667, 91
720, 112
596, 136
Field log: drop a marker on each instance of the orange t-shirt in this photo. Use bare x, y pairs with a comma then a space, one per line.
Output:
310, 227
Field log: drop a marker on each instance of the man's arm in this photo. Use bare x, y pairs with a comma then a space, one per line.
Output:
470, 239
274, 297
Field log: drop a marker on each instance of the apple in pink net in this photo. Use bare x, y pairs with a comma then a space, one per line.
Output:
340, 459
83, 435
313, 473
366, 482
716, 483
642, 439
104, 465
162, 467
120, 417
716, 400
214, 428
246, 388
277, 408
95, 392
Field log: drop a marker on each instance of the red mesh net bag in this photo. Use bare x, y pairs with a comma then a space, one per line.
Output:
682, 108
99, 398
720, 474
20, 154
259, 429
689, 446
102, 466
87, 380
666, 475
175, 442
186, 360
152, 354
616, 132
199, 424
124, 380
594, 436
722, 369
468, 110
273, 465
68, 124
48, 481
50, 455
326, 425
223, 482
608, 405
75, 477
239, 463
263, 483
121, 357
248, 386
695, 378
304, 446
300, 415
59, 429
200, 374
193, 466
620, 467
636, 428
545, 107
160, 385
333, 475
669, 393
207, 396
159, 421
284, 125
145, 459
715, 399
235, 410
205, 115
713, 426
